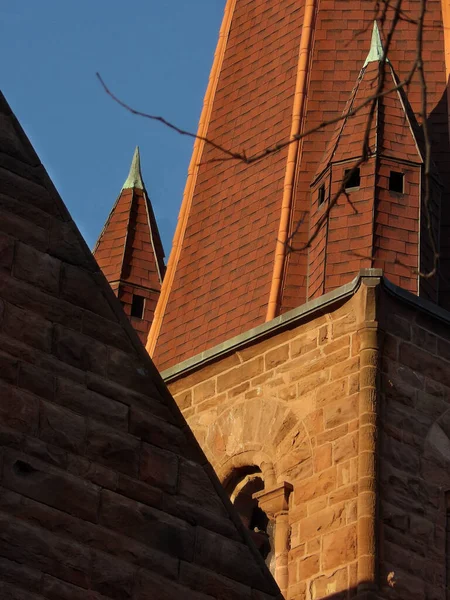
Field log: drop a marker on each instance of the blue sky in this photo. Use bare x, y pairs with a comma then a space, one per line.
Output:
154, 54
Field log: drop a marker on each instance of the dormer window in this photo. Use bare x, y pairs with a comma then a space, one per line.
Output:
396, 182
352, 178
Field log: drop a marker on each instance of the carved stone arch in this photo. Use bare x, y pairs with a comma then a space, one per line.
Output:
258, 447
264, 432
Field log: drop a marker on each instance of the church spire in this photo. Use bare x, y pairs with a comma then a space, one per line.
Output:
130, 253
134, 179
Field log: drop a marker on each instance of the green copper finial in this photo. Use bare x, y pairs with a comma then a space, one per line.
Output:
376, 51
134, 179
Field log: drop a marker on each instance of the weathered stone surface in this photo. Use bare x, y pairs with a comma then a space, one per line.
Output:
80, 351
40, 549
51, 486
37, 268
111, 577
18, 409
28, 328
147, 525
17, 573
339, 547
88, 403
62, 427
113, 448
159, 468
207, 582
194, 483
228, 558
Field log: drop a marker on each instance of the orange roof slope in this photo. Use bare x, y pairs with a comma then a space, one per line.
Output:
129, 250
223, 277
104, 491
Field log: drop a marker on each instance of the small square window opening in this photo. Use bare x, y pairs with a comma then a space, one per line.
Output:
321, 194
137, 306
396, 182
352, 178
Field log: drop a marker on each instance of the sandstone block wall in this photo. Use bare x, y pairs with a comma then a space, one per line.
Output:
290, 406
414, 453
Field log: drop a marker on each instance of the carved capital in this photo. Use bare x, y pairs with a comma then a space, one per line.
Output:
274, 500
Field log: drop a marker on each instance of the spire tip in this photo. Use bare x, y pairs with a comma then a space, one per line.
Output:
134, 179
376, 51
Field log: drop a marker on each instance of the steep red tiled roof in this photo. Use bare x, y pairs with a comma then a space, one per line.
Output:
223, 275
129, 247
104, 491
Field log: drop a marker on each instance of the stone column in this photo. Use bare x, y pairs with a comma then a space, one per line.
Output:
275, 503
367, 464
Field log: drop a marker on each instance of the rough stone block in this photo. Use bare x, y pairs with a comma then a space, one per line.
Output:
6, 251
9, 368
157, 432
37, 268
26, 296
246, 371
150, 585
345, 447
14, 572
105, 331
80, 351
42, 550
62, 428
308, 566
147, 525
316, 486
276, 357
322, 522
330, 585
340, 412
194, 483
207, 582
36, 380
18, 409
111, 577
80, 288
150, 400
112, 448
339, 547
159, 468
204, 390
49, 485
27, 327
90, 404
123, 369
229, 558
55, 589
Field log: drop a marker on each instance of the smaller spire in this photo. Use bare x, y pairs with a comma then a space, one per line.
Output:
376, 51
134, 179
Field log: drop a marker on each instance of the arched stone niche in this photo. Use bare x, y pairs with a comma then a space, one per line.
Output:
259, 448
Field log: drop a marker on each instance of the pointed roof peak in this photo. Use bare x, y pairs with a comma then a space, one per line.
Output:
376, 51
134, 179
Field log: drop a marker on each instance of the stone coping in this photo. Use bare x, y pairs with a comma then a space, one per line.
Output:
295, 316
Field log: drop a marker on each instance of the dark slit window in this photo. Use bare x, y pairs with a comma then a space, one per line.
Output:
137, 306
322, 194
396, 182
352, 178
